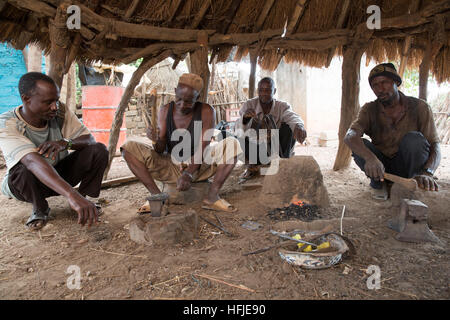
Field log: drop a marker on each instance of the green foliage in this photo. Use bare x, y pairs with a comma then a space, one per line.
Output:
410, 82
78, 85
136, 63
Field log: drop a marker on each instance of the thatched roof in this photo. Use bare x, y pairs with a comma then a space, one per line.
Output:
116, 31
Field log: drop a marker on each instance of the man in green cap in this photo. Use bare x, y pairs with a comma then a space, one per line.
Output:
404, 139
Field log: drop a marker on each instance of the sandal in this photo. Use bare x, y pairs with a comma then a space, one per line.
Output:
250, 172
219, 205
37, 220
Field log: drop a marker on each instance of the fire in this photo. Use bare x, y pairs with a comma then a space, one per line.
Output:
298, 202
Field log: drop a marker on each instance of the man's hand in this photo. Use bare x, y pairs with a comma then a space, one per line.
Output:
300, 133
52, 148
86, 210
427, 183
250, 113
374, 168
184, 183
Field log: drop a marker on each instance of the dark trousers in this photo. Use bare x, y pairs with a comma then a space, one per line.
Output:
413, 153
86, 166
287, 143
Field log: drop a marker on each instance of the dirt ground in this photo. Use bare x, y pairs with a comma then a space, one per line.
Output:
33, 265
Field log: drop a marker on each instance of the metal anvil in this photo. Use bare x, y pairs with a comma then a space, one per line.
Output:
412, 223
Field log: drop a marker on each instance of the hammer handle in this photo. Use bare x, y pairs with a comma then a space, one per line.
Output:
410, 184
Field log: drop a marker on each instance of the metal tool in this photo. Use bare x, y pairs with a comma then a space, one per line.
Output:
281, 235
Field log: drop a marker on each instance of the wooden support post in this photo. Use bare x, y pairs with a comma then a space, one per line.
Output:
349, 102
199, 65
252, 79
60, 40
431, 51
146, 64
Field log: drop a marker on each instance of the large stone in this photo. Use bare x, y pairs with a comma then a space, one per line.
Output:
195, 194
171, 229
299, 176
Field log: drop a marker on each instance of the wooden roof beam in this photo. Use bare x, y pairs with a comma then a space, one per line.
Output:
293, 23
264, 13
414, 6
175, 11
199, 17
296, 16
342, 16
231, 12
137, 31
131, 9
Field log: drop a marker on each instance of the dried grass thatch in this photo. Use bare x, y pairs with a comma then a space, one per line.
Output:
21, 23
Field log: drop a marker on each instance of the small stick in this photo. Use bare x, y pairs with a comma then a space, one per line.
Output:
342, 218
242, 287
176, 278
215, 215
119, 254
215, 225
405, 293
263, 249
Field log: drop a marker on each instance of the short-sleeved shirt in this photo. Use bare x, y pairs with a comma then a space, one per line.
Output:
386, 136
281, 112
18, 138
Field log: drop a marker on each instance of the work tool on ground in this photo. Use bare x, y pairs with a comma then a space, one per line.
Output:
281, 235
411, 223
410, 184
218, 227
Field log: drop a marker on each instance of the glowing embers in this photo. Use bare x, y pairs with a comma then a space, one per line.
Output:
298, 209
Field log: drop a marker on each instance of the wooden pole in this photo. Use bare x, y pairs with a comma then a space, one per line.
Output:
349, 102
199, 65
146, 64
153, 106
252, 79
60, 40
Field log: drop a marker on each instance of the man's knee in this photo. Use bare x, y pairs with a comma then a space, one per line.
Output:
22, 172
413, 140
99, 151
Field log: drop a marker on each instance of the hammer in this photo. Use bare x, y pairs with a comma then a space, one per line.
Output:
410, 184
